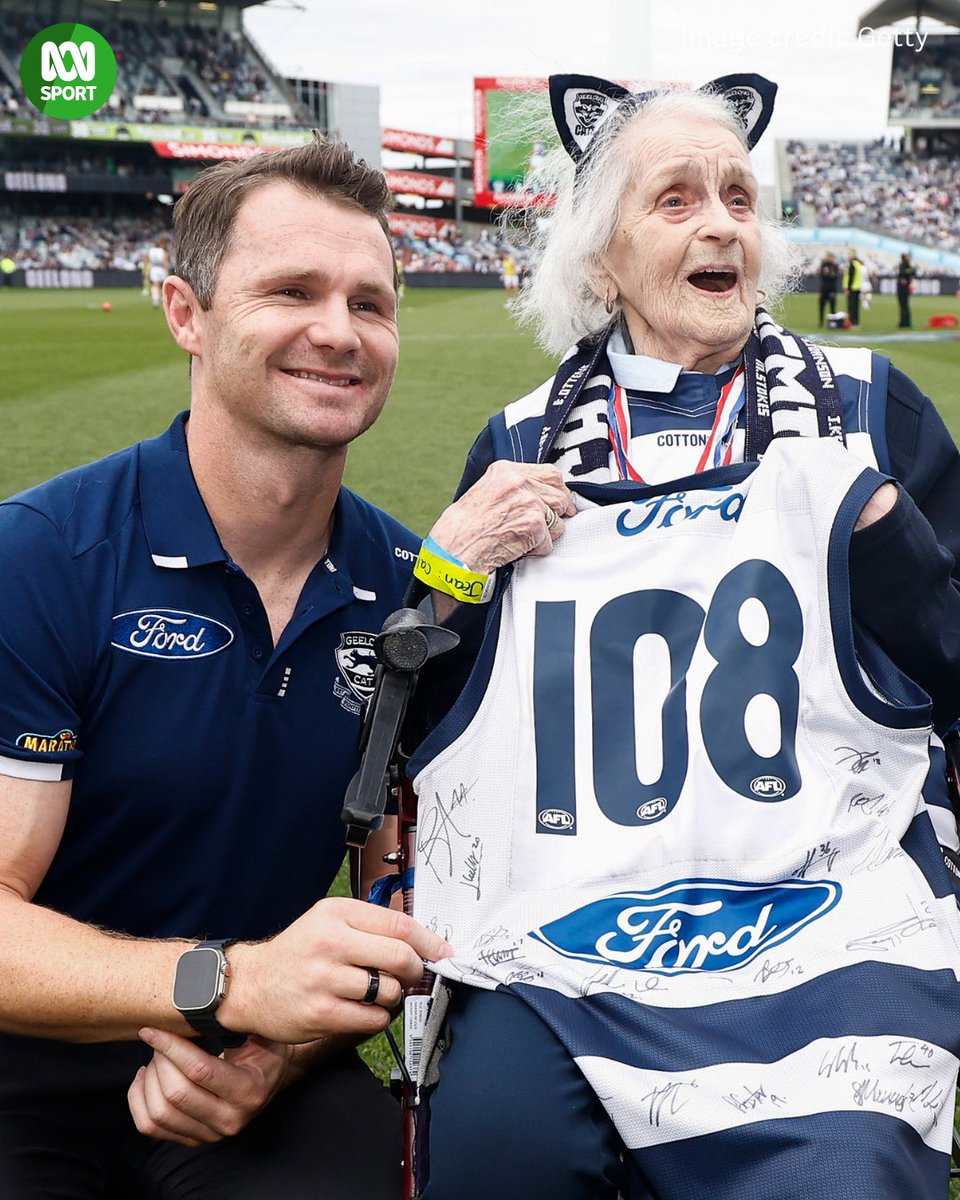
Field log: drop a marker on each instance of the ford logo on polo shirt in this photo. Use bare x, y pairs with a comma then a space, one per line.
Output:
169, 633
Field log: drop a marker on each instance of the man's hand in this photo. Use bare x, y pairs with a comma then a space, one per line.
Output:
505, 515
308, 981
879, 504
186, 1095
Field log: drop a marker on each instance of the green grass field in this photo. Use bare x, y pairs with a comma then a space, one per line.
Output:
77, 383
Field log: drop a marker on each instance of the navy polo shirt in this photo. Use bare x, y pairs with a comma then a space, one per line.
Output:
136, 659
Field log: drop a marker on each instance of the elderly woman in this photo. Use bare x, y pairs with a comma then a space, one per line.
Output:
674, 822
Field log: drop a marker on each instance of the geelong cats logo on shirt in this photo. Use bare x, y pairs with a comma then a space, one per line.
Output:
169, 633
357, 663
690, 925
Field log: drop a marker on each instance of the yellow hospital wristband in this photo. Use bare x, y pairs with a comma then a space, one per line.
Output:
453, 577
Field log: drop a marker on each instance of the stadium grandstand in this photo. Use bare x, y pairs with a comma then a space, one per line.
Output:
92, 195
878, 187
81, 201
896, 194
196, 69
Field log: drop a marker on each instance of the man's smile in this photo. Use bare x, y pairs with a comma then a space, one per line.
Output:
333, 380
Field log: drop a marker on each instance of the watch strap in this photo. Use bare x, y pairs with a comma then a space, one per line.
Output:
214, 1036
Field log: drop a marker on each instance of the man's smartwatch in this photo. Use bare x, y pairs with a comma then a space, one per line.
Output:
200, 984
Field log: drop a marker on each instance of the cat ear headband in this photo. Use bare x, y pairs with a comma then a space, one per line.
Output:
582, 103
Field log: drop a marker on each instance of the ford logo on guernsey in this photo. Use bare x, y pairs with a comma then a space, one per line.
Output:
168, 633
690, 925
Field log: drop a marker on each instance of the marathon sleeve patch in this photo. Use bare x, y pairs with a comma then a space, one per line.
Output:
48, 743
46, 646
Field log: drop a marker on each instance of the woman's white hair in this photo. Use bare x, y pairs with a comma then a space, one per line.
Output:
559, 302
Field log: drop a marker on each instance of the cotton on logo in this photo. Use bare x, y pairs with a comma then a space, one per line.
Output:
53, 64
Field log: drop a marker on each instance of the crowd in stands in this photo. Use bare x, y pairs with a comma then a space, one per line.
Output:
93, 244
214, 68
9, 101
81, 242
87, 164
226, 66
875, 186
86, 242
483, 255
879, 187
926, 83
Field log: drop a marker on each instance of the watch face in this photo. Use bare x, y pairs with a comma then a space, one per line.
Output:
198, 985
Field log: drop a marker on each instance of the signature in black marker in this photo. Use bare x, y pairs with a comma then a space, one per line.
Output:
857, 760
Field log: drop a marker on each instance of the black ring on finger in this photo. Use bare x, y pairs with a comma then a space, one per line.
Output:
373, 986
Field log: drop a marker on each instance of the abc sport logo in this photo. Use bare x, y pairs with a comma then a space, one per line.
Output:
68, 71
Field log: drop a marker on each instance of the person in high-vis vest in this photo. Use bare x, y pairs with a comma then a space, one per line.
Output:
854, 288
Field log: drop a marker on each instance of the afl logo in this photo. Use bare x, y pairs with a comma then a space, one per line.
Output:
652, 809
768, 787
169, 633
555, 819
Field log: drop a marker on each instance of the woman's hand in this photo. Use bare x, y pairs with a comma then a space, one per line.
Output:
512, 511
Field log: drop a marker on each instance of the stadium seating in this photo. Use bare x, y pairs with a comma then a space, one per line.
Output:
168, 74
877, 187
80, 242
482, 255
86, 242
925, 85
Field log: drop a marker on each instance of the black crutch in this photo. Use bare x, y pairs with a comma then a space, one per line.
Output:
406, 641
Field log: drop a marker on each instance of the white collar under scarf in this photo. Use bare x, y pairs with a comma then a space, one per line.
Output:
639, 373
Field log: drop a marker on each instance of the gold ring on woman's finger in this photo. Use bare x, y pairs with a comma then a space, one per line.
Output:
551, 518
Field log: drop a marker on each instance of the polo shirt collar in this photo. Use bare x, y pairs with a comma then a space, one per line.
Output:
351, 547
177, 525
181, 534
638, 373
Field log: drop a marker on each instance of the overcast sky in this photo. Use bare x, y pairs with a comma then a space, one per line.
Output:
424, 54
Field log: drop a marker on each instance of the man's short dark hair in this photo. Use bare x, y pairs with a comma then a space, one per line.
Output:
205, 216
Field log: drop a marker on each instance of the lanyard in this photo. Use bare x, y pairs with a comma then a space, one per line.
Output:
719, 447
